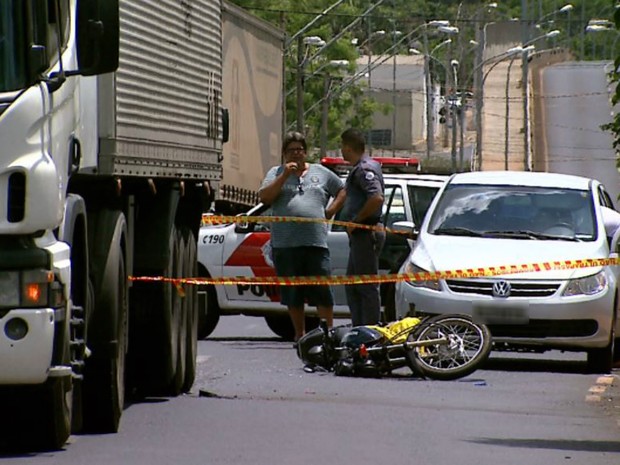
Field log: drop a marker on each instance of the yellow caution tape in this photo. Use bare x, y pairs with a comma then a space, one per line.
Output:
386, 278
215, 219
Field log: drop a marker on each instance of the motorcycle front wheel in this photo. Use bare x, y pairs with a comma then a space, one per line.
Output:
469, 345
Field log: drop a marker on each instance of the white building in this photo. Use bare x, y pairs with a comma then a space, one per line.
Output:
399, 82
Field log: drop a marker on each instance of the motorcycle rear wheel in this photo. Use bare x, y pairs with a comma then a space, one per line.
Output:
470, 345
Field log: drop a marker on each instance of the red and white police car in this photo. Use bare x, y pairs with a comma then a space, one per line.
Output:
242, 249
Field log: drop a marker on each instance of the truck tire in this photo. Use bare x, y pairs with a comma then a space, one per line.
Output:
155, 328
191, 303
104, 381
56, 408
180, 306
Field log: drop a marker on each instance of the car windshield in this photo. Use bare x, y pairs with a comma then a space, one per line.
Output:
12, 46
515, 212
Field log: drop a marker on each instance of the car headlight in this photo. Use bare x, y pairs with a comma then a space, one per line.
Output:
589, 285
433, 284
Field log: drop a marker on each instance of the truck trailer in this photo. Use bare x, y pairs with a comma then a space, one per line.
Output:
112, 131
253, 79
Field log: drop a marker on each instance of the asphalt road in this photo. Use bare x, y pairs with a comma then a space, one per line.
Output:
254, 404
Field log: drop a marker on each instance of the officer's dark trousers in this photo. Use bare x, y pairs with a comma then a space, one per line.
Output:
364, 299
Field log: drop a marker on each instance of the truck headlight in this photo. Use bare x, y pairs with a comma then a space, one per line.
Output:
433, 284
589, 285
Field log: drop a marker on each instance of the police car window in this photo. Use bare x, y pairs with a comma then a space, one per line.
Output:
338, 227
420, 198
394, 210
262, 226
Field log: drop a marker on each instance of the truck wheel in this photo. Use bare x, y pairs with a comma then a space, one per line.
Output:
155, 329
208, 311
191, 303
104, 382
56, 409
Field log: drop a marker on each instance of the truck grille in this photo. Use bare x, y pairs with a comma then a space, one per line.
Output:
518, 289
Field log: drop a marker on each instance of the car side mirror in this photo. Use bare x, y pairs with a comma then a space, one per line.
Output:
407, 228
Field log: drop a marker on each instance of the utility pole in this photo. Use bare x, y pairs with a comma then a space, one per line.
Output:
430, 130
368, 22
452, 99
479, 88
300, 84
526, 112
507, 126
394, 101
325, 113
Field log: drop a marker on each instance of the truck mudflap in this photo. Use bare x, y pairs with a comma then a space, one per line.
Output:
26, 345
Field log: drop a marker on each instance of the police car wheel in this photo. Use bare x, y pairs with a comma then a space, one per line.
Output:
282, 326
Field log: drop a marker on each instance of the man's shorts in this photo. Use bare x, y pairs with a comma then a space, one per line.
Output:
303, 261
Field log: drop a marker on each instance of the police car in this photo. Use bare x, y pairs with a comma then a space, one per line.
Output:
242, 249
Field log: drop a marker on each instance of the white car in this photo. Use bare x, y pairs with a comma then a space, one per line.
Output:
491, 219
241, 250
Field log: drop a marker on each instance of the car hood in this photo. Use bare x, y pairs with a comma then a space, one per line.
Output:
443, 253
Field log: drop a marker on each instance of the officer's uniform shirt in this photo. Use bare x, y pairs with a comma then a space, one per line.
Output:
365, 180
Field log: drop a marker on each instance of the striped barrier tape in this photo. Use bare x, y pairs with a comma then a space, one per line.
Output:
386, 278
216, 219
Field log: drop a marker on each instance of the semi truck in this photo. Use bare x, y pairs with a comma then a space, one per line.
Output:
112, 130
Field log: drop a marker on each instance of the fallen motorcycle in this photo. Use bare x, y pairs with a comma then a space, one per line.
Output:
442, 347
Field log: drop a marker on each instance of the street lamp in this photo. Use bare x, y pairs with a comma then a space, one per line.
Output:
303, 47
335, 64
478, 75
565, 9
600, 25
525, 79
454, 64
430, 102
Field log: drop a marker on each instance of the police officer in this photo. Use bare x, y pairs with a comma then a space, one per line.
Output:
363, 205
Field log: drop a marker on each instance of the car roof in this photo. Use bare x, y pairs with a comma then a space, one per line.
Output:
522, 178
417, 177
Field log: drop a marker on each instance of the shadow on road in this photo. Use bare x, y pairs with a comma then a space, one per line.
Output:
535, 365
555, 444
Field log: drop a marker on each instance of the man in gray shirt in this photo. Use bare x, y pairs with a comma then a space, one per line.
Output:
298, 188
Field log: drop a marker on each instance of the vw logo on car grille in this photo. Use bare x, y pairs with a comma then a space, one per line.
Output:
501, 289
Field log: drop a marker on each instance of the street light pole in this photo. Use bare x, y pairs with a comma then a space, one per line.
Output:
454, 64
430, 104
507, 126
394, 100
